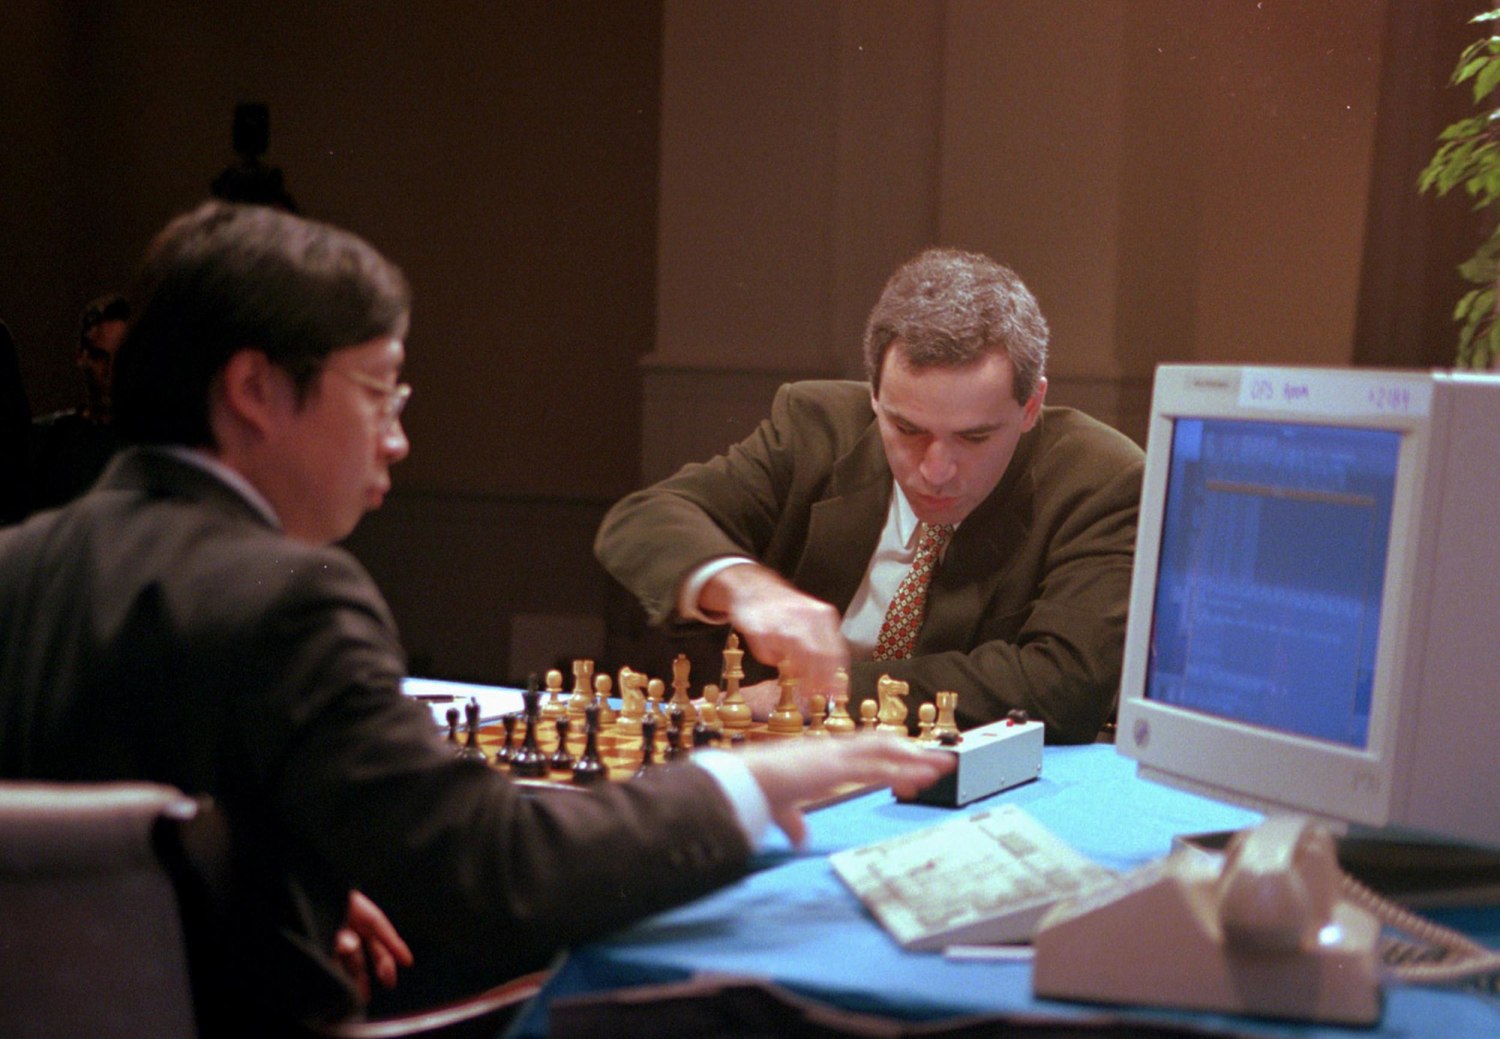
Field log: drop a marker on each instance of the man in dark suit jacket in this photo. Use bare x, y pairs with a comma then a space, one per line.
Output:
187, 622
798, 536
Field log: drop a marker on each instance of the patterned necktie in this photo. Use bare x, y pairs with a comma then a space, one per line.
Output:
898, 632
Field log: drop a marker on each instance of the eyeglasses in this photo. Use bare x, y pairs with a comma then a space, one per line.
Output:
393, 398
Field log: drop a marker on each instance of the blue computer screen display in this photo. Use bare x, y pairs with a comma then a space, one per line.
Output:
1269, 581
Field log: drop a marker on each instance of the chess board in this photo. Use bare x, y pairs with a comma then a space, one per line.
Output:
621, 752
681, 724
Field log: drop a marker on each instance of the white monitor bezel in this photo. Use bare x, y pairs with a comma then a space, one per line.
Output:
1263, 767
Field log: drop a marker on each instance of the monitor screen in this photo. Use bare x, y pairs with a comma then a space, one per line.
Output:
1271, 568
1313, 616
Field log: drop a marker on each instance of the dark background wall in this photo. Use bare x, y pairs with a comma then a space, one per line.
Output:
504, 154
530, 164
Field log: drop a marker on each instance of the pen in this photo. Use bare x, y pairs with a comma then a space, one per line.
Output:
436, 697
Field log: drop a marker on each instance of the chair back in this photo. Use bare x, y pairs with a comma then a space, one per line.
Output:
91, 936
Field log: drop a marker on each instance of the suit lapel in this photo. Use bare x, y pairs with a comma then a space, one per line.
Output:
844, 526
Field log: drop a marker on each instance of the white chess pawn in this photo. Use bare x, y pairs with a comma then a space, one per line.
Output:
786, 719
839, 722
603, 686
817, 723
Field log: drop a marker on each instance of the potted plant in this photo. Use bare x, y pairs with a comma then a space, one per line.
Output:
1469, 157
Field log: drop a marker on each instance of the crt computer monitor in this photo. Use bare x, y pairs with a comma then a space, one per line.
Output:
1315, 609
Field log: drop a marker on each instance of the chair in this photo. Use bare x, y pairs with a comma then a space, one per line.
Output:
481, 1015
97, 881
91, 939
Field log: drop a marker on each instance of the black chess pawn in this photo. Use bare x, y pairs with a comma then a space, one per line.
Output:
703, 734
590, 768
471, 749
648, 743
675, 749
453, 729
561, 760
528, 762
507, 749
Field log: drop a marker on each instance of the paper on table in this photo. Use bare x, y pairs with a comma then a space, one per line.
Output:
438, 695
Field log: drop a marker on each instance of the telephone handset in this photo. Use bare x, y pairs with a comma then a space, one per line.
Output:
1278, 887
1270, 928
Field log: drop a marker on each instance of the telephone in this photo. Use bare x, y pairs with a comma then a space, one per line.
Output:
1270, 928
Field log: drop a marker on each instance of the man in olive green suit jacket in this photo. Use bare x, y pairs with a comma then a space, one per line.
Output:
1027, 607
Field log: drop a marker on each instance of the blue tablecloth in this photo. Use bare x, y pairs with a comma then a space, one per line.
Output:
794, 922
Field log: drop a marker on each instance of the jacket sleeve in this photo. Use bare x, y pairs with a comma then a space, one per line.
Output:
458, 856
652, 539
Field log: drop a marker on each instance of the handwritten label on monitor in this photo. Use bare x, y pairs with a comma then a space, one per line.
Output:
1335, 393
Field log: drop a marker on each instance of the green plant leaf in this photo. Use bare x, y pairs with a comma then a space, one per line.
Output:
1469, 67
1465, 304
1485, 81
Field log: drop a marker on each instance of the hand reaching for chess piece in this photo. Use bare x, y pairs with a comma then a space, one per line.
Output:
778, 622
793, 772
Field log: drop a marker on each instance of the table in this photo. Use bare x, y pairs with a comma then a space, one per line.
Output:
794, 922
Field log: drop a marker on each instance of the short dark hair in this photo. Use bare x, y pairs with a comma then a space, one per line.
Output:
226, 277
948, 308
113, 307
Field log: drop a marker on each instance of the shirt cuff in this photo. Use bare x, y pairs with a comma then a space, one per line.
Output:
687, 597
751, 809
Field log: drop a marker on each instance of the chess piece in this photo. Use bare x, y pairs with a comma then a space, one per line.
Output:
817, 724
603, 686
562, 759
675, 749
453, 729
945, 729
926, 719
711, 696
867, 712
555, 707
507, 750
471, 749
590, 767
786, 719
705, 731
656, 689
632, 702
648, 743
528, 762
892, 693
839, 722
583, 688
680, 698
734, 712
708, 717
